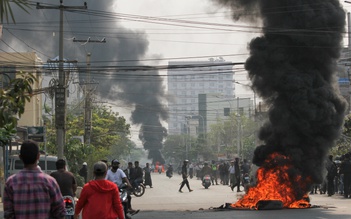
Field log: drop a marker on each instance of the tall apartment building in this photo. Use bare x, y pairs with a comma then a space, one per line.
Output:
188, 79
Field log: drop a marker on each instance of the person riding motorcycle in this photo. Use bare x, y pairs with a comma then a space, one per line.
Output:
137, 176
206, 170
116, 175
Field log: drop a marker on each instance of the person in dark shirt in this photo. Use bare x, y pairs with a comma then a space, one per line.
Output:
137, 175
65, 179
185, 176
31, 193
206, 170
345, 169
83, 172
147, 171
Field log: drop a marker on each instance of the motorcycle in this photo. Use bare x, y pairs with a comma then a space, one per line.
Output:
69, 206
139, 190
123, 195
206, 181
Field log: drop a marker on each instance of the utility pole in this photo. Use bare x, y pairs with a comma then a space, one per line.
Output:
61, 89
88, 89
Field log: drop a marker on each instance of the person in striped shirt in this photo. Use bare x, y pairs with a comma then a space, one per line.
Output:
32, 194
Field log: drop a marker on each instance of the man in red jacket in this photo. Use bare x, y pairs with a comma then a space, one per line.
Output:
100, 198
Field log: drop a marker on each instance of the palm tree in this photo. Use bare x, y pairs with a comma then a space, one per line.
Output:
6, 11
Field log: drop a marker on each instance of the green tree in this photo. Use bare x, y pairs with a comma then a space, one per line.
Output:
175, 148
110, 134
225, 134
13, 98
343, 144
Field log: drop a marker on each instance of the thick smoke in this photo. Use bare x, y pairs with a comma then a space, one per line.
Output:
124, 47
292, 67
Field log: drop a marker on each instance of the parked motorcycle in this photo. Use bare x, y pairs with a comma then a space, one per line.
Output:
69, 206
206, 181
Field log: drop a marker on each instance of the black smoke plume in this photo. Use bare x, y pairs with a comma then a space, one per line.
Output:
292, 66
124, 48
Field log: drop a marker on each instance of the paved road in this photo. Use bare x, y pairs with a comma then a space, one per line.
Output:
164, 201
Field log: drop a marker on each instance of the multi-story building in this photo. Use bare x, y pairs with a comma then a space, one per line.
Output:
188, 79
10, 64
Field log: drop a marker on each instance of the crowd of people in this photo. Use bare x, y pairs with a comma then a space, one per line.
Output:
338, 177
233, 173
31, 193
100, 197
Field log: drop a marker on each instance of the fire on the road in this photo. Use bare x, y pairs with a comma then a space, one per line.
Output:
277, 181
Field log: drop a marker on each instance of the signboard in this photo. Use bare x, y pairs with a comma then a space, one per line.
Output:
36, 133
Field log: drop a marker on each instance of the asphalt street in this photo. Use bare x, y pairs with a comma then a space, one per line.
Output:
163, 201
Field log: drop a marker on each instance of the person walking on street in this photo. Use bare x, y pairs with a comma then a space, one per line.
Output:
31, 193
345, 169
237, 174
232, 175
147, 171
214, 172
99, 198
332, 172
65, 179
191, 170
185, 176
83, 172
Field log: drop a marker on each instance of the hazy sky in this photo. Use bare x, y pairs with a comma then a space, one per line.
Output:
193, 40
162, 30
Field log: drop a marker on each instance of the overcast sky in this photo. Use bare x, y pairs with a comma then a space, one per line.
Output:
193, 40
162, 30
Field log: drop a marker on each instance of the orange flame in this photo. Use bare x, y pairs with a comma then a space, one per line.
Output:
275, 183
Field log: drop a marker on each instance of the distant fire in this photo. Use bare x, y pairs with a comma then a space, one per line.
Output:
277, 180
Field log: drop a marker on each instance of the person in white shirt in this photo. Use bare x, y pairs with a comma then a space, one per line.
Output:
116, 175
232, 175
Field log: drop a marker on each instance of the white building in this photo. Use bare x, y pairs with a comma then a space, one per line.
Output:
186, 80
